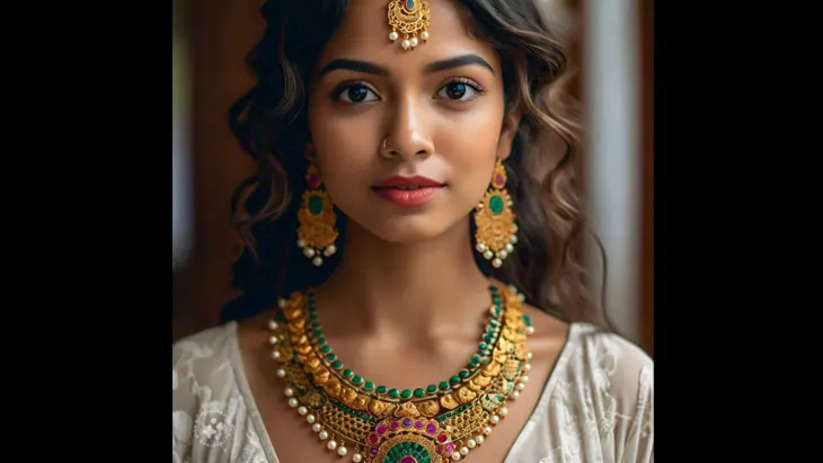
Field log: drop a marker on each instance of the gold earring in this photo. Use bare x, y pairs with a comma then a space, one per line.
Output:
317, 231
494, 217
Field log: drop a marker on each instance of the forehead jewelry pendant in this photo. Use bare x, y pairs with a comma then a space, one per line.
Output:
407, 19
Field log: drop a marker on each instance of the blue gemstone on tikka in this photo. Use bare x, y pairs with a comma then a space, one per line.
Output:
409, 5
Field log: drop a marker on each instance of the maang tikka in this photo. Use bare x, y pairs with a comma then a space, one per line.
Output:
317, 232
408, 18
494, 218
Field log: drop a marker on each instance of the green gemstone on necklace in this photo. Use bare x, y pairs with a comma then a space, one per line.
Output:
419, 392
318, 333
321, 341
369, 386
431, 389
316, 205
483, 346
475, 358
464, 373
527, 320
325, 349
337, 364
393, 393
381, 389
357, 380
331, 357
489, 330
455, 380
407, 393
314, 324
472, 365
444, 385
347, 373
488, 338
493, 288
494, 322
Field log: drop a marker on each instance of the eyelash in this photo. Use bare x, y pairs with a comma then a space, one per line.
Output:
341, 90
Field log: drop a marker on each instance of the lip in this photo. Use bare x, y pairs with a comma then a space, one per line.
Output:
417, 180
409, 197
426, 189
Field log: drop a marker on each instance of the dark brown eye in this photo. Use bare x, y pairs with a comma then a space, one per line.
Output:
456, 90
357, 94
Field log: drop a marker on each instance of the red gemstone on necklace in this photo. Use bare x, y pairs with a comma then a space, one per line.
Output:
381, 429
408, 459
373, 439
441, 438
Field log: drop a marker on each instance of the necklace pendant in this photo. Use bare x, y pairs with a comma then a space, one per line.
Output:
410, 440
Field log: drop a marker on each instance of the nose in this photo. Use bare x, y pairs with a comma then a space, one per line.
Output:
407, 137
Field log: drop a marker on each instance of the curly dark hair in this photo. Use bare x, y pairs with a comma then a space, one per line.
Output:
270, 121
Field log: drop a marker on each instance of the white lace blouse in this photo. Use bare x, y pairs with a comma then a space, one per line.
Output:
596, 406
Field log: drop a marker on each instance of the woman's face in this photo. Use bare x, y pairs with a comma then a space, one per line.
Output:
439, 107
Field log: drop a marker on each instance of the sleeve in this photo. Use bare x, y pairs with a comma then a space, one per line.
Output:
633, 387
183, 405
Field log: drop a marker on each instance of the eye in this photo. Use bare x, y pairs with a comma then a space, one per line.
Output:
356, 93
459, 90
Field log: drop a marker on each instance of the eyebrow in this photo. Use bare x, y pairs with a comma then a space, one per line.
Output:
371, 68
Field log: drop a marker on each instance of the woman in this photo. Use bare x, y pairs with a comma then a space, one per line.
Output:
406, 180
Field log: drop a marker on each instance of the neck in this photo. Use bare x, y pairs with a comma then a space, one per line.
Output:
406, 291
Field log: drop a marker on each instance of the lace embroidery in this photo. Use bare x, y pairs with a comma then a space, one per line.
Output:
212, 427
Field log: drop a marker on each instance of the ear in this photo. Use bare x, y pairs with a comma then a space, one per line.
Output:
511, 122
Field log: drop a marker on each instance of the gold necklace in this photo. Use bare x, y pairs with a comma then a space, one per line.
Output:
378, 424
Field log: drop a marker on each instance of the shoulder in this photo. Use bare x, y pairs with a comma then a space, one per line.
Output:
208, 403
599, 349
210, 344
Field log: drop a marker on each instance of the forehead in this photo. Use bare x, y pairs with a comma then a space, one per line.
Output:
364, 34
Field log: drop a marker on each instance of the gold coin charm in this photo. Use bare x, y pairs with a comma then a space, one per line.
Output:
408, 18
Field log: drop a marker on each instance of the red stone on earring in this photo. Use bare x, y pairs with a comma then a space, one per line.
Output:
499, 181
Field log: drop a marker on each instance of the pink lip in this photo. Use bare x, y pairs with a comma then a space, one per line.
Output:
417, 180
409, 197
